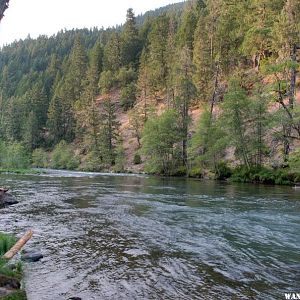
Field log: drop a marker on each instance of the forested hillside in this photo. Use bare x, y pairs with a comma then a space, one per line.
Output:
198, 89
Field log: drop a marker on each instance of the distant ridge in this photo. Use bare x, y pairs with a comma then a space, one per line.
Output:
175, 8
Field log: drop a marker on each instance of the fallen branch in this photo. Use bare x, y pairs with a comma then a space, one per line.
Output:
19, 245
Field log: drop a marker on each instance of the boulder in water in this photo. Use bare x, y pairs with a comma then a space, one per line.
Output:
6, 199
32, 256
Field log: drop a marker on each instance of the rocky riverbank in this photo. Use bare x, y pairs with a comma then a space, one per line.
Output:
10, 274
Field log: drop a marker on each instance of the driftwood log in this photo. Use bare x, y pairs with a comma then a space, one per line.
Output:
19, 245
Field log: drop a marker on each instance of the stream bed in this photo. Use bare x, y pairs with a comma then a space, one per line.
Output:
109, 236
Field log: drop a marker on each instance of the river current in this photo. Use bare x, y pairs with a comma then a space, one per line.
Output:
140, 237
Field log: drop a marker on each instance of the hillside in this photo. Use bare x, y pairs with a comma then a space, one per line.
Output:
195, 88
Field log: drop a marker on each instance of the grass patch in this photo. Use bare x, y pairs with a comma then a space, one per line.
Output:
19, 295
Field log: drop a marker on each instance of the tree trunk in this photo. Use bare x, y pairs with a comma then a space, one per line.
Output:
19, 245
292, 90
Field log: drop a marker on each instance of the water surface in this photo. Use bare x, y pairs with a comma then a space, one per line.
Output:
139, 237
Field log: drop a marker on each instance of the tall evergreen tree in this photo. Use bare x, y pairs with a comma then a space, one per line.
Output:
130, 43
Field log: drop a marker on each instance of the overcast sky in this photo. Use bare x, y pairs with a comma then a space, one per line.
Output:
37, 17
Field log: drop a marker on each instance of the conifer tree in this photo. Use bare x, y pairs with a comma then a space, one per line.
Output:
112, 59
184, 94
130, 44
110, 130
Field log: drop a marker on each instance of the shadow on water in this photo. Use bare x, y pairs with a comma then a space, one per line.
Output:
141, 237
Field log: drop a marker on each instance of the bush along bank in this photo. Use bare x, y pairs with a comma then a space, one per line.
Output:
243, 174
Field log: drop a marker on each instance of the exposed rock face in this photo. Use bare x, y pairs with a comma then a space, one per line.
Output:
6, 199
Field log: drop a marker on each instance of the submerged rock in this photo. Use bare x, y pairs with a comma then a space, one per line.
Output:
6, 199
32, 256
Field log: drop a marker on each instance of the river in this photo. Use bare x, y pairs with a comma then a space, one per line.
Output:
141, 237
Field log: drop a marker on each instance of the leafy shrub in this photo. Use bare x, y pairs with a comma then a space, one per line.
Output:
223, 171
161, 135
39, 158
63, 157
265, 175
13, 155
195, 172
179, 171
137, 160
294, 161
128, 97
92, 162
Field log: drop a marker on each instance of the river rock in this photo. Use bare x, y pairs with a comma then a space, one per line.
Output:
5, 292
9, 199
9, 282
32, 256
6, 199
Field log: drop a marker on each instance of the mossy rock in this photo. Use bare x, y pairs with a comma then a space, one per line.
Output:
18, 295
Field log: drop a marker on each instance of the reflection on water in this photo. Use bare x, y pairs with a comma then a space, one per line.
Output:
138, 237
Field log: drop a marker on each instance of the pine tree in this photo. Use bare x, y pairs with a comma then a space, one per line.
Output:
203, 59
110, 130
184, 94
188, 24
112, 60
258, 38
235, 116
157, 60
130, 44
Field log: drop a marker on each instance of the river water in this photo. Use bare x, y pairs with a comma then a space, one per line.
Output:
138, 237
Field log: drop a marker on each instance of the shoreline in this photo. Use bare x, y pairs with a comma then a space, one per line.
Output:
269, 180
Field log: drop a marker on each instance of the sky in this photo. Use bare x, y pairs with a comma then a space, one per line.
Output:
39, 17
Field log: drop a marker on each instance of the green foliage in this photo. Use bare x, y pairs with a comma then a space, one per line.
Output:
264, 175
195, 172
110, 131
223, 171
294, 161
128, 97
120, 160
137, 160
208, 144
39, 158
107, 81
19, 295
13, 155
160, 136
92, 162
63, 157
126, 76
179, 171
6, 242
203, 53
